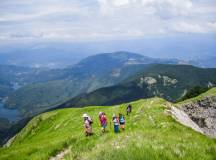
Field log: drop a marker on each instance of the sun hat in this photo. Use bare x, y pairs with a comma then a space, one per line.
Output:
85, 115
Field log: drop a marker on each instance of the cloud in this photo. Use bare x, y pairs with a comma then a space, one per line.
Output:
104, 19
163, 8
170, 8
39, 11
211, 26
188, 28
121, 2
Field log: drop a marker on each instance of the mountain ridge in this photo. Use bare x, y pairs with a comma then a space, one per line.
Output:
94, 72
167, 80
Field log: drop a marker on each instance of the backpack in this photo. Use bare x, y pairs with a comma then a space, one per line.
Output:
103, 119
90, 121
122, 120
115, 121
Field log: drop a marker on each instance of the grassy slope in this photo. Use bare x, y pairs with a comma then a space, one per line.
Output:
150, 134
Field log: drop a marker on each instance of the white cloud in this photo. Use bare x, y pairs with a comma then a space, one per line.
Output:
163, 8
188, 28
40, 12
120, 2
169, 8
211, 26
185, 27
99, 19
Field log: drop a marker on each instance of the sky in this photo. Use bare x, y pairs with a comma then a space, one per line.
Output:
83, 20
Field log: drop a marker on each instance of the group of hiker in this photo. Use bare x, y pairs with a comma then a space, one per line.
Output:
118, 121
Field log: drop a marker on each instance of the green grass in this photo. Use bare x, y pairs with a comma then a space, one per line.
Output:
150, 134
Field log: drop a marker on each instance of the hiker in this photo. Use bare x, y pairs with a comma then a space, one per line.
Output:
116, 123
122, 121
129, 109
87, 124
103, 121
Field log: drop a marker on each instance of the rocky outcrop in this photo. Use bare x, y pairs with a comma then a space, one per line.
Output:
203, 113
184, 119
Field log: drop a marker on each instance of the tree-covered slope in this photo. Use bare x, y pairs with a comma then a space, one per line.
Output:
59, 85
15, 77
211, 92
167, 81
150, 134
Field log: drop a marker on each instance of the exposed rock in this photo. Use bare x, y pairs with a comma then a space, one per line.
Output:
169, 81
184, 93
116, 73
150, 80
210, 84
10, 141
183, 118
203, 113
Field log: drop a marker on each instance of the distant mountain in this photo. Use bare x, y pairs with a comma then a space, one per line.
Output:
41, 55
57, 86
205, 62
63, 54
44, 89
167, 81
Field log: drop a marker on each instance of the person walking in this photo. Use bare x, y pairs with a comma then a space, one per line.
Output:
115, 123
129, 109
103, 121
87, 124
122, 121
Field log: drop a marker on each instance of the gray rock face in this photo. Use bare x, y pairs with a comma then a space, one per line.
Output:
203, 113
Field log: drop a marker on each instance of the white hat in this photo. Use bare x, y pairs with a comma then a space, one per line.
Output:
100, 113
85, 115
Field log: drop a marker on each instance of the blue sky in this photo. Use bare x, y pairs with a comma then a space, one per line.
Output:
83, 20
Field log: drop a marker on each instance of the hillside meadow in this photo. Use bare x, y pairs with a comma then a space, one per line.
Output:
150, 134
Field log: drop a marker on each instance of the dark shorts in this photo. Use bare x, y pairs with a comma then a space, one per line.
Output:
122, 123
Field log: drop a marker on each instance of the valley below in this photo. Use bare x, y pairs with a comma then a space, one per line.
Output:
10, 114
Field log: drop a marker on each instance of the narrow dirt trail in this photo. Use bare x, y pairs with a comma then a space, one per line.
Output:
60, 155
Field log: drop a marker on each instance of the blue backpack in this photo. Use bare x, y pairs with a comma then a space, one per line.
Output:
122, 120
